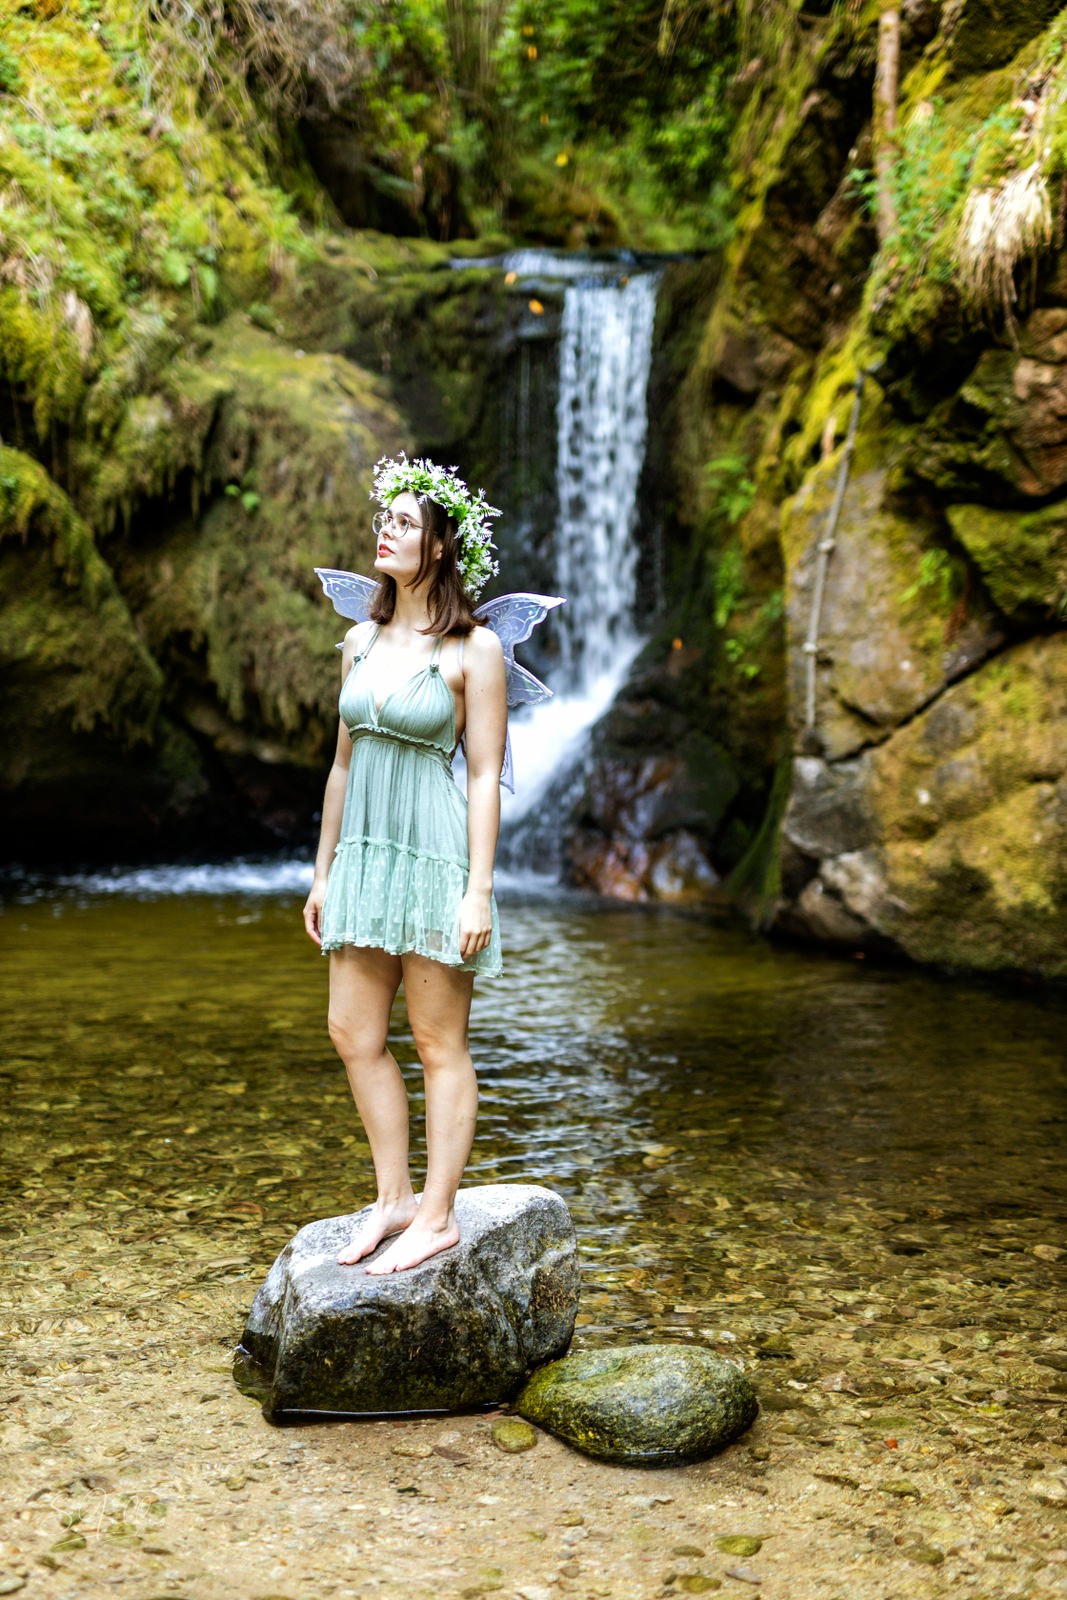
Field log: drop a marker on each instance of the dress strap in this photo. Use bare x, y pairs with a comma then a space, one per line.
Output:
435, 653
369, 644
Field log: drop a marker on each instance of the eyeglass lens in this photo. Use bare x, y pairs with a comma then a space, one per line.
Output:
382, 519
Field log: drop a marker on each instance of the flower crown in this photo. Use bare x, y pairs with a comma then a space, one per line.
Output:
471, 511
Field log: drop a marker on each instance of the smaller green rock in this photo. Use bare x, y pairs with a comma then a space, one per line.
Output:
650, 1405
513, 1435
901, 1488
72, 1541
775, 1345
927, 1554
739, 1544
687, 1550
697, 1583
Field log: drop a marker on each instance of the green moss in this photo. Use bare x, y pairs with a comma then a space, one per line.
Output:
1022, 555
70, 650
756, 881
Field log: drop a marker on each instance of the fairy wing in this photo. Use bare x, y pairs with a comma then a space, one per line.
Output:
350, 592
513, 617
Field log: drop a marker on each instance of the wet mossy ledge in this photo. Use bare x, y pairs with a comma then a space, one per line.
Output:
920, 811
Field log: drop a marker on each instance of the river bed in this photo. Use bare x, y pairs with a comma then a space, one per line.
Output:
847, 1178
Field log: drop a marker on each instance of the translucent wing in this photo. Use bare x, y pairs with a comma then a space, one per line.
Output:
513, 617
350, 592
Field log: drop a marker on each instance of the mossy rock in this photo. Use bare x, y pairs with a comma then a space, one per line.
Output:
1022, 555
653, 1405
980, 34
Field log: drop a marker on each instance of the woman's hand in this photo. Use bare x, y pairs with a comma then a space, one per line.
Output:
313, 910
475, 923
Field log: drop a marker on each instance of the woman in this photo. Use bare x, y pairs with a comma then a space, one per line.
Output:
403, 886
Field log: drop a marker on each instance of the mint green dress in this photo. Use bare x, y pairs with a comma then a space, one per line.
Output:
399, 870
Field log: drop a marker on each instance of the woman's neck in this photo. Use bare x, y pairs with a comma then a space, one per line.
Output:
411, 612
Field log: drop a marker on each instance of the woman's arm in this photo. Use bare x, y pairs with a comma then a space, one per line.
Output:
485, 689
333, 805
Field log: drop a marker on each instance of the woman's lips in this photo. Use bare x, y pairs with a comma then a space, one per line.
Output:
384, 550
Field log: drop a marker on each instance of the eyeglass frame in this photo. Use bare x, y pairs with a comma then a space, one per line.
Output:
381, 519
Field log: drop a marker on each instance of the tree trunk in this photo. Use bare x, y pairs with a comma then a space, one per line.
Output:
885, 118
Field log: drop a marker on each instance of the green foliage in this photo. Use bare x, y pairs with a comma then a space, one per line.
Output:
729, 585
745, 649
937, 578
928, 177
733, 490
248, 497
10, 80
641, 77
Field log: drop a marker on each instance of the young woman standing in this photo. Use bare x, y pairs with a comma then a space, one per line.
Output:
403, 885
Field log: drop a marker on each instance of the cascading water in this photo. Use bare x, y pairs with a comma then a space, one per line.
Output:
605, 355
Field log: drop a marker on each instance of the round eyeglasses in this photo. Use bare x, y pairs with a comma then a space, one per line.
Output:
404, 525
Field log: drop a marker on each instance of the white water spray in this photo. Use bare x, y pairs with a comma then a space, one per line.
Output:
602, 420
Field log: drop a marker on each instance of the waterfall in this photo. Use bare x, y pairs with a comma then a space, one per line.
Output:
605, 354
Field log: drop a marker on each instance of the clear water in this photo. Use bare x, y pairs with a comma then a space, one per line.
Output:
745, 1134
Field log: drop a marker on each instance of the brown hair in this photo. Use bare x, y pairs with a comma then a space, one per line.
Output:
449, 606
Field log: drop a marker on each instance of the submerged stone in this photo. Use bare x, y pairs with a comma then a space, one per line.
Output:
646, 1405
464, 1328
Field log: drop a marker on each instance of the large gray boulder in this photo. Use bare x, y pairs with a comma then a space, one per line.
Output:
650, 1405
464, 1328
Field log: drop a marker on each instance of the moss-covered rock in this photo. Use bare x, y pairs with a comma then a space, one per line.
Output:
979, 34
655, 1405
1022, 556
948, 841
893, 627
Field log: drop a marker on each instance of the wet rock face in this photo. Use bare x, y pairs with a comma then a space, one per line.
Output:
636, 841
465, 1328
655, 1405
948, 840
1001, 435
888, 640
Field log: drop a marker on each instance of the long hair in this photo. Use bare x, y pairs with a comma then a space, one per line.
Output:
448, 604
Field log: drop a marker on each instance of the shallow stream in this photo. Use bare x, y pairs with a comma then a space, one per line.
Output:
848, 1177
741, 1131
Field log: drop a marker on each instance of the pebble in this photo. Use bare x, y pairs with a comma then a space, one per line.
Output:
687, 1550
512, 1435
413, 1451
697, 1583
738, 1544
927, 1554
1050, 1491
10, 1581
743, 1575
901, 1488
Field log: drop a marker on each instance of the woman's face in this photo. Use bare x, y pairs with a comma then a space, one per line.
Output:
399, 548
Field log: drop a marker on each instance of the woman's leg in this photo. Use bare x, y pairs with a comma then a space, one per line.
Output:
363, 985
439, 1003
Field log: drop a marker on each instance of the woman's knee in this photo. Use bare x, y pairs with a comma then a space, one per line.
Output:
352, 1039
438, 1051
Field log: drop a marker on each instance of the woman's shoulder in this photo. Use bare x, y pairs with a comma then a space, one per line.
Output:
358, 632
484, 644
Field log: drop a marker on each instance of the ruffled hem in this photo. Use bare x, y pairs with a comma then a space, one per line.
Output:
385, 895
496, 971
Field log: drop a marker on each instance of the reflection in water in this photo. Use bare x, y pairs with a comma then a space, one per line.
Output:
745, 1135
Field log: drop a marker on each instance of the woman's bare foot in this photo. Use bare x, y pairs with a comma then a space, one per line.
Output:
383, 1221
417, 1243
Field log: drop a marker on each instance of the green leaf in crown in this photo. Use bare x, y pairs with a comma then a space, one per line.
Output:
472, 511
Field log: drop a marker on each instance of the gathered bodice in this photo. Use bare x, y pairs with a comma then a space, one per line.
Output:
420, 711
